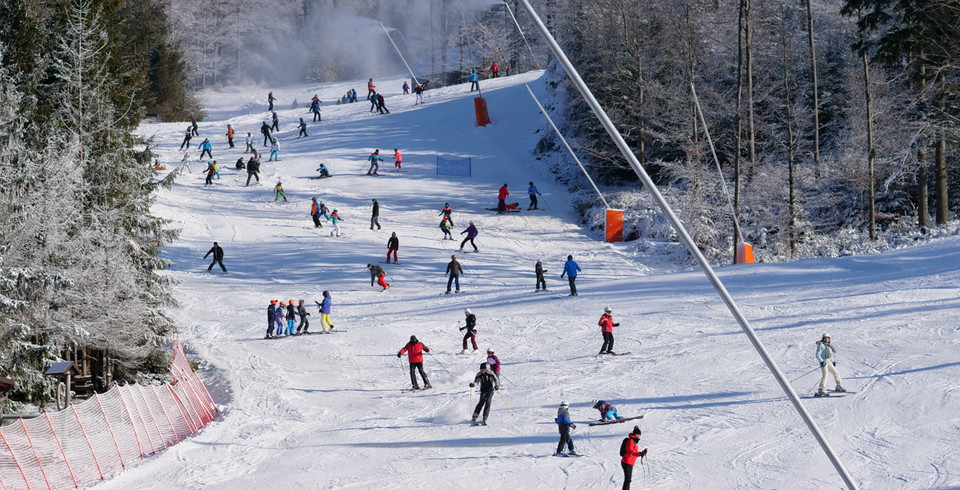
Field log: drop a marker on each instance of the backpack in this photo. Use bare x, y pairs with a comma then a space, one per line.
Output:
623, 447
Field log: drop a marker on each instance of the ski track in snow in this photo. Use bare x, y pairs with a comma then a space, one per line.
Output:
326, 411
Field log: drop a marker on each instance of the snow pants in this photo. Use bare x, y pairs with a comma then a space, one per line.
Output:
374, 220
230, 141
336, 229
303, 133
485, 398
290, 328
249, 147
382, 281
827, 369
215, 262
274, 155
454, 278
279, 195
541, 282
206, 151
304, 324
565, 439
573, 284
279, 326
474, 86
607, 342
533, 202
394, 251
252, 174
325, 321
414, 367
469, 239
472, 336
316, 221
627, 475
374, 166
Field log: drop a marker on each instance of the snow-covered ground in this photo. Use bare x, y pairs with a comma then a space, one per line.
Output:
326, 411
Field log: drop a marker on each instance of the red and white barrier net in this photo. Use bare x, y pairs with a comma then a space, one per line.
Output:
109, 432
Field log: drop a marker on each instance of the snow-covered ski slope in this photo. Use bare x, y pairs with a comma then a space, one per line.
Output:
326, 411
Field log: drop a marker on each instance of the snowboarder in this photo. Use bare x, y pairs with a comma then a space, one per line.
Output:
472, 233
335, 219
315, 213
211, 171
501, 199
270, 100
274, 151
230, 135
370, 87
564, 424
419, 91
375, 215
323, 171
445, 228
570, 269
454, 269
474, 80
406, 88
253, 168
291, 317
495, 70
393, 244
606, 327
381, 105
303, 129
278, 190
629, 453
271, 314
828, 365
541, 280
374, 162
471, 328
186, 139
608, 412
446, 212
532, 190
206, 147
186, 162
276, 122
304, 322
265, 131
279, 316
414, 350
488, 384
325, 311
397, 160
494, 362
193, 126
217, 257
249, 142
377, 272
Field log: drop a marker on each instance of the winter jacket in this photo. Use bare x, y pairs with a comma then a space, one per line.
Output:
532, 190
278, 317
229, 132
276, 118
370, 85
454, 268
571, 268
414, 351
271, 312
474, 77
393, 242
606, 323
445, 225
405, 86
276, 145
249, 140
503, 193
604, 408
325, 305
374, 157
397, 156
314, 209
825, 352
494, 363
540, 270
335, 218
206, 145
563, 420
217, 252
376, 209
302, 311
471, 231
631, 452
471, 323
278, 187
446, 211
291, 311
265, 129
487, 381
494, 67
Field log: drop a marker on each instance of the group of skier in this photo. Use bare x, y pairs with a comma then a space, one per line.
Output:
284, 317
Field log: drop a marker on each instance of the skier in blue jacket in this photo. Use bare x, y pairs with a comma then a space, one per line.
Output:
570, 269
474, 80
827, 360
564, 425
532, 190
206, 147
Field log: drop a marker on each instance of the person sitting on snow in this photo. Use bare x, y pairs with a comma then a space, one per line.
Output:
608, 412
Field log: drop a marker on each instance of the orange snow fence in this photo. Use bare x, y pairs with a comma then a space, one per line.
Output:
614, 225
744, 253
480, 107
109, 432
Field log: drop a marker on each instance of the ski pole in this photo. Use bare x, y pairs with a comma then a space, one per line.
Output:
505, 402
441, 365
470, 406
803, 375
508, 379
545, 205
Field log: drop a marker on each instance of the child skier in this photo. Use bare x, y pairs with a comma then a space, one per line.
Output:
274, 151
303, 129
186, 162
533, 192
494, 362
541, 280
406, 88
324, 172
249, 142
608, 412
445, 226
230, 135
271, 314
186, 139
276, 122
414, 350
488, 384
606, 327
291, 317
304, 322
211, 171
374, 162
397, 159
377, 272
279, 316
471, 329
278, 189
335, 219
570, 269
315, 213
564, 424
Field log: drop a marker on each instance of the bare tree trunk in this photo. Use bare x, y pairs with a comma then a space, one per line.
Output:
694, 124
749, 52
870, 153
792, 234
737, 160
816, 100
943, 211
923, 186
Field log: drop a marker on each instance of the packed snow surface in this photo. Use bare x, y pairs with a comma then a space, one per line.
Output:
326, 411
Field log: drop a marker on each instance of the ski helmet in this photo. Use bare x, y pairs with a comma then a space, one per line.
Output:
564, 404
483, 366
608, 309
413, 338
283, 304
273, 301
825, 336
490, 351
467, 311
597, 403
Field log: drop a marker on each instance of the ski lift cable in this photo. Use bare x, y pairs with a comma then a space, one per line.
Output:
713, 151
523, 36
417, 82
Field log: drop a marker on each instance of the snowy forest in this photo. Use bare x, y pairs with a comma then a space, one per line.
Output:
835, 125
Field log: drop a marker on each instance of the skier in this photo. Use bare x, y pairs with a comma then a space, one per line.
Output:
271, 313
377, 272
446, 212
502, 196
419, 91
374, 162
374, 105
532, 190
230, 135
608, 412
253, 168
570, 269
406, 88
393, 244
186, 162
397, 159
274, 151
193, 126
540, 277
325, 311
323, 171
454, 269
606, 327
278, 190
375, 215
335, 219
276, 122
474, 80
291, 317
381, 105
186, 139
414, 350
303, 129
323, 210
629, 453
471, 328
488, 384
211, 171
315, 213
216, 169
825, 356
445, 228
270, 100
265, 131
370, 88
495, 70
206, 147
472, 233
217, 257
304, 322
279, 316
315, 109
494, 362
249, 142
564, 424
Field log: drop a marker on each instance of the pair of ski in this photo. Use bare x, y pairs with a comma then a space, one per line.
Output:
615, 354
414, 390
833, 394
618, 421
568, 455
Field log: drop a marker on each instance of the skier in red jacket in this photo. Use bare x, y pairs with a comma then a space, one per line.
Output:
502, 205
414, 350
629, 453
606, 327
